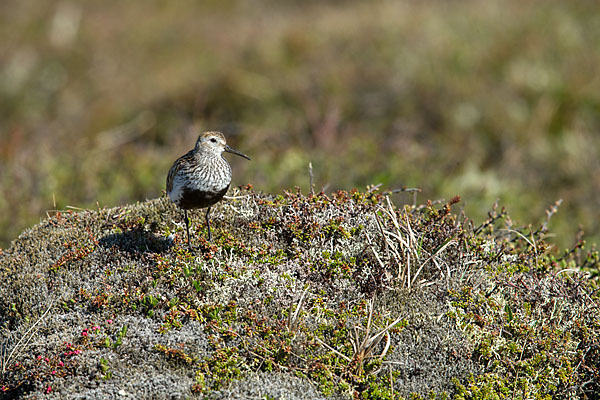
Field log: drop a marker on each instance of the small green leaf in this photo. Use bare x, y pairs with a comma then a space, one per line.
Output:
509, 314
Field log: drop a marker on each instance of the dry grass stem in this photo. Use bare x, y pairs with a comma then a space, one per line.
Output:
28, 336
292, 321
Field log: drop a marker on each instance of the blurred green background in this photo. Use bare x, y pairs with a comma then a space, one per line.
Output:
484, 99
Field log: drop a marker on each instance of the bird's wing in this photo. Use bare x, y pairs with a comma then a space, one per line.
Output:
176, 167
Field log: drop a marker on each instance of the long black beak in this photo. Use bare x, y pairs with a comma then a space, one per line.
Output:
234, 151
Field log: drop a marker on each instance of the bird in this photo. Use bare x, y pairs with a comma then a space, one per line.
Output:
200, 178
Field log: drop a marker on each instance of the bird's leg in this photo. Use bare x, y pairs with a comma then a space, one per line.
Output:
187, 229
208, 224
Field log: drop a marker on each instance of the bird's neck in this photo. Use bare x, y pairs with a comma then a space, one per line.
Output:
206, 155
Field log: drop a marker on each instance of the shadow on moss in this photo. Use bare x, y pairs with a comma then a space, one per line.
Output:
136, 240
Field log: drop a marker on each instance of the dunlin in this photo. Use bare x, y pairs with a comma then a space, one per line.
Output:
201, 177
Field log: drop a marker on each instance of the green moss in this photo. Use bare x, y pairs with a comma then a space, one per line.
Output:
488, 316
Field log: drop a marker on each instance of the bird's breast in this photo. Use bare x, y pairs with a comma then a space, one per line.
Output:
206, 177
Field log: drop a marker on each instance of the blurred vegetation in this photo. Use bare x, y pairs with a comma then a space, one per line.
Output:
489, 100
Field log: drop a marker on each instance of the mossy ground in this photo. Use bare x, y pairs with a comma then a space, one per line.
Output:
298, 296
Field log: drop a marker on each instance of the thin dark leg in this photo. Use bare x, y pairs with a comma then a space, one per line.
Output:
187, 228
208, 224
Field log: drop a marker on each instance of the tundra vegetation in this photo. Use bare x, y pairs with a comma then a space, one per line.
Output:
495, 99
324, 296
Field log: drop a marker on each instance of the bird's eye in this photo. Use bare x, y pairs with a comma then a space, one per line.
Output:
213, 140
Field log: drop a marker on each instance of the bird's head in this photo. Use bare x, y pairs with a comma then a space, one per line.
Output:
214, 142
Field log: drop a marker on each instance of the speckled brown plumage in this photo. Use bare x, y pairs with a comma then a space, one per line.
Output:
201, 177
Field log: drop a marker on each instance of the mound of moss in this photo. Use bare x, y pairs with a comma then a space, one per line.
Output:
298, 296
